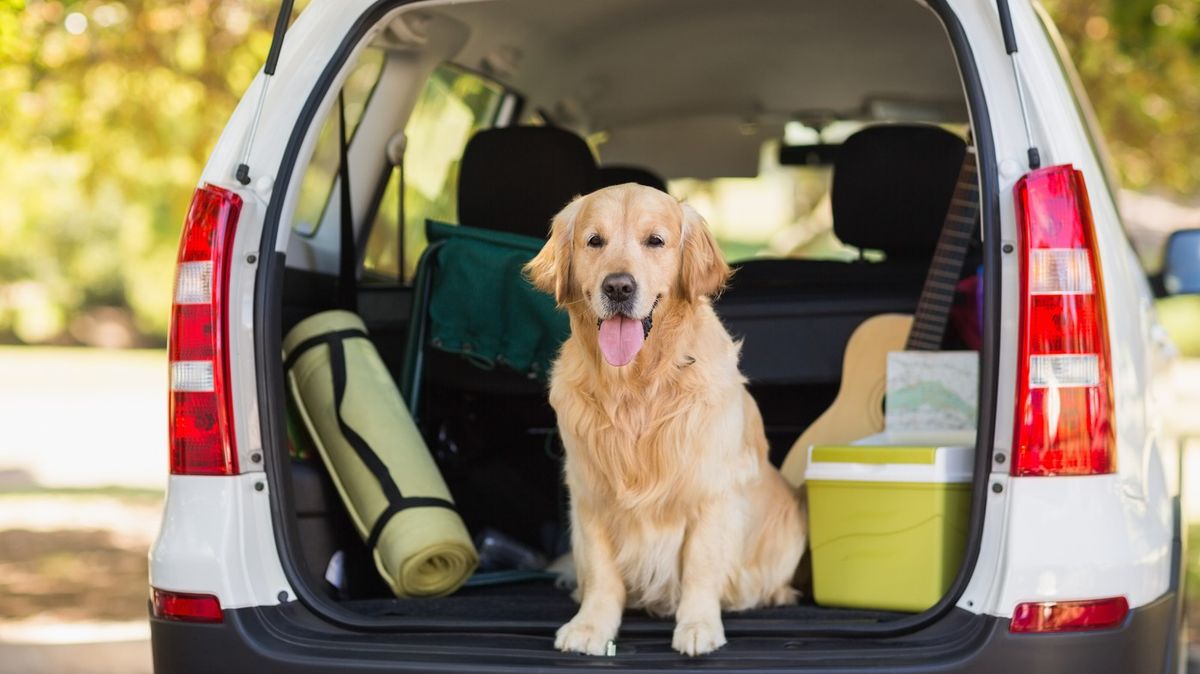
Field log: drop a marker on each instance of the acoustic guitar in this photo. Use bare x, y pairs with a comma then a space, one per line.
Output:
857, 411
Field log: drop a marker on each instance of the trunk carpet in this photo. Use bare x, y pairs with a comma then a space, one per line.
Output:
541, 602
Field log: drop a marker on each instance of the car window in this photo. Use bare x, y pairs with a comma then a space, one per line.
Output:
316, 187
783, 212
453, 106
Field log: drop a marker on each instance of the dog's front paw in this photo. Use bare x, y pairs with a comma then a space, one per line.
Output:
581, 636
698, 638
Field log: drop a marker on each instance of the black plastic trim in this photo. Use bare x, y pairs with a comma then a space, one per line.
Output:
281, 26
271, 380
1177, 636
278, 639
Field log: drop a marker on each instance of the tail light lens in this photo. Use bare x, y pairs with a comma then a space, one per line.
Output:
1064, 423
201, 431
1069, 616
193, 608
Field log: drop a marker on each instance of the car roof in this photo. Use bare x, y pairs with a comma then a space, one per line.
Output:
658, 76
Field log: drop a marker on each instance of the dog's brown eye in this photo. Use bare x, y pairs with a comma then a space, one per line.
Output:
595, 241
654, 241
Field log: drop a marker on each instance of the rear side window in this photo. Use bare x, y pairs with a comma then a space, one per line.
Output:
316, 187
453, 106
785, 211
781, 212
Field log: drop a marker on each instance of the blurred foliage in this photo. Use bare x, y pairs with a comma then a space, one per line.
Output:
1180, 316
1140, 63
110, 108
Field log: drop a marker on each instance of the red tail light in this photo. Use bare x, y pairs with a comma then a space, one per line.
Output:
194, 608
202, 441
1069, 616
1064, 422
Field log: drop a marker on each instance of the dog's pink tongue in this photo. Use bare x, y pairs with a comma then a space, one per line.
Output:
620, 339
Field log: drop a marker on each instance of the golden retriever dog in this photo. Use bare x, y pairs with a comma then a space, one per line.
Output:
675, 508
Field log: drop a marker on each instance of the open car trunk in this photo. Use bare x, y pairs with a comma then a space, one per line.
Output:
495, 443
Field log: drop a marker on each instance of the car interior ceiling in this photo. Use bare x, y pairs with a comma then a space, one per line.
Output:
492, 432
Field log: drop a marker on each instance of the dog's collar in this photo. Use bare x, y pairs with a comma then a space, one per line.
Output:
647, 322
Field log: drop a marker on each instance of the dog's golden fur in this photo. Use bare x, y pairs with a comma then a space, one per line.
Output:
675, 507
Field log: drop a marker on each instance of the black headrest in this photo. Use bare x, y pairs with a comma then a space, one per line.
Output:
515, 179
621, 174
892, 186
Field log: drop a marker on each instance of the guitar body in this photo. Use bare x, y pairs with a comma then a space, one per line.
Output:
857, 411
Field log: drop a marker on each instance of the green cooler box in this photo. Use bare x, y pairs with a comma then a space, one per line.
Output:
887, 525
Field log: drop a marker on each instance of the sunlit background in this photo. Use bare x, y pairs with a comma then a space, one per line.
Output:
108, 110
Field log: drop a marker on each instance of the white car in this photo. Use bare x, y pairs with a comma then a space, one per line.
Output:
811, 133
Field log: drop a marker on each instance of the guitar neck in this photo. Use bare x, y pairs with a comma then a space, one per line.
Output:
937, 295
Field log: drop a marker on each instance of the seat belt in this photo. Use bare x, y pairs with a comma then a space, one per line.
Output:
396, 147
347, 290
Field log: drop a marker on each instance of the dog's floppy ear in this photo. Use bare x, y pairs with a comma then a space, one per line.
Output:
702, 269
550, 270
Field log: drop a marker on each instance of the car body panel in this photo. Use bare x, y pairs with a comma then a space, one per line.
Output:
1068, 538
216, 538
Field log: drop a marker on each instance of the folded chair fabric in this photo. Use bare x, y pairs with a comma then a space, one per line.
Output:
483, 308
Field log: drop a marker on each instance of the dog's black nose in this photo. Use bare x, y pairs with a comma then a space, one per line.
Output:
619, 287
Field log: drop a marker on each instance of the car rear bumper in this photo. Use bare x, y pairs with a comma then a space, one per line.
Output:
288, 639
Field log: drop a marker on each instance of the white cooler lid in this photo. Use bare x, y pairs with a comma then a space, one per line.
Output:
890, 463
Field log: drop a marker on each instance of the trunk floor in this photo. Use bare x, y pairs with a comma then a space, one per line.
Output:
541, 602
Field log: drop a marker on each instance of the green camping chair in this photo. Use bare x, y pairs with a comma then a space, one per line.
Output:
472, 299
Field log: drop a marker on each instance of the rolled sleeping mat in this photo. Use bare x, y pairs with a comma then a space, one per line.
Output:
382, 469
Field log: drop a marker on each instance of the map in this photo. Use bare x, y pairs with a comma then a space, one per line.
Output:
931, 391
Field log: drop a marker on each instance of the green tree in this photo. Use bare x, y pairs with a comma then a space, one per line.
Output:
1140, 63
109, 110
